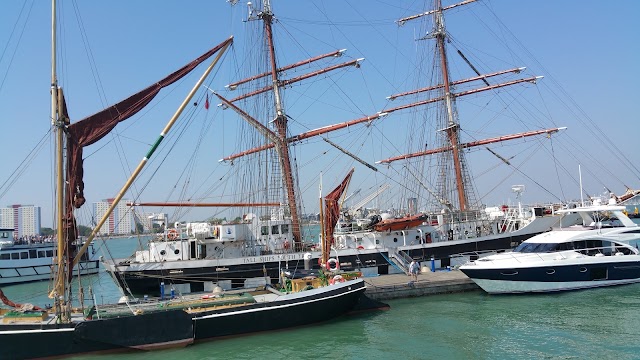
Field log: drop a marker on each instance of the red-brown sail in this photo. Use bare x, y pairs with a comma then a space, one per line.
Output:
332, 211
93, 128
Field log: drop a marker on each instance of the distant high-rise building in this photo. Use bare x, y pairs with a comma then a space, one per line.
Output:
120, 221
23, 219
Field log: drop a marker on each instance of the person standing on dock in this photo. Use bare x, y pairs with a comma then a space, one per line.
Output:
414, 269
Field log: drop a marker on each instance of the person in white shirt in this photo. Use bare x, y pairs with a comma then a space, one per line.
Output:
414, 269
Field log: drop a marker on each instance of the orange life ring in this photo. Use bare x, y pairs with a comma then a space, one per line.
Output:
360, 247
172, 234
286, 244
335, 263
336, 279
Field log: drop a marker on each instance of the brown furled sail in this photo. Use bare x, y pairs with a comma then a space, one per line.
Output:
332, 212
93, 128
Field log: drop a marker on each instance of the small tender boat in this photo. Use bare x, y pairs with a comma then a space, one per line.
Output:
400, 223
602, 251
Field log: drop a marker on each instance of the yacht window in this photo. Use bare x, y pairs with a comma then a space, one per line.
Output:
536, 248
24, 255
15, 256
284, 228
49, 253
264, 230
5, 235
33, 254
5, 256
41, 254
623, 249
274, 229
579, 245
564, 246
594, 246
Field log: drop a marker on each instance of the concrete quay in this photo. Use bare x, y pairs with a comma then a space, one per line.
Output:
397, 286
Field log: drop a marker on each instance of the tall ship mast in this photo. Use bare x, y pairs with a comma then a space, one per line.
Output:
274, 129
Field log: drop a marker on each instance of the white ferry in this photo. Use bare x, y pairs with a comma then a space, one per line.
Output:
22, 262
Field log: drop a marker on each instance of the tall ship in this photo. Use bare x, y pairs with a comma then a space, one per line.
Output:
267, 237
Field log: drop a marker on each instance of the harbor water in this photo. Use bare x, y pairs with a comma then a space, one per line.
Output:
598, 323
592, 324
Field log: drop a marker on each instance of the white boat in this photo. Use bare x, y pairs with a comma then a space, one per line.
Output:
22, 262
602, 251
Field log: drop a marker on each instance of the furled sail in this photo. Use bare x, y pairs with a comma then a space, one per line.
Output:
332, 210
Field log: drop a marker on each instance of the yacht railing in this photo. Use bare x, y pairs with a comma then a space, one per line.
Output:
618, 250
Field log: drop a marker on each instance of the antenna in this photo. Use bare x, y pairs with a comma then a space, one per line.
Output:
518, 189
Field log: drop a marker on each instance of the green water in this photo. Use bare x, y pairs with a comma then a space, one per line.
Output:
592, 324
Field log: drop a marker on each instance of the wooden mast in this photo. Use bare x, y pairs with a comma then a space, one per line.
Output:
280, 122
59, 290
452, 128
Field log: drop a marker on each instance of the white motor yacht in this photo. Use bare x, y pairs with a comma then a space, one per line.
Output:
602, 251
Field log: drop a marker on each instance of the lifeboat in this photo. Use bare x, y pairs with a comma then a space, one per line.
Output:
400, 223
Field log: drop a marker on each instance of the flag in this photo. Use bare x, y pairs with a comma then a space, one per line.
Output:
206, 103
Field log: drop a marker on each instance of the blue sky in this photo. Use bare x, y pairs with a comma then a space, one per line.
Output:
587, 52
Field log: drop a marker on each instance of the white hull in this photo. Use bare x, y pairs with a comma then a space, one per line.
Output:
19, 275
518, 287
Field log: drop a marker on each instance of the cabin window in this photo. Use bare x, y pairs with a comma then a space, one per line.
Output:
15, 256
536, 248
5, 235
594, 247
24, 255
264, 230
284, 228
33, 254
41, 253
275, 229
565, 246
623, 249
5, 256
49, 253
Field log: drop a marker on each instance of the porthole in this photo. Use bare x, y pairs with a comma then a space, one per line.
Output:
583, 269
551, 271
395, 239
176, 251
163, 253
